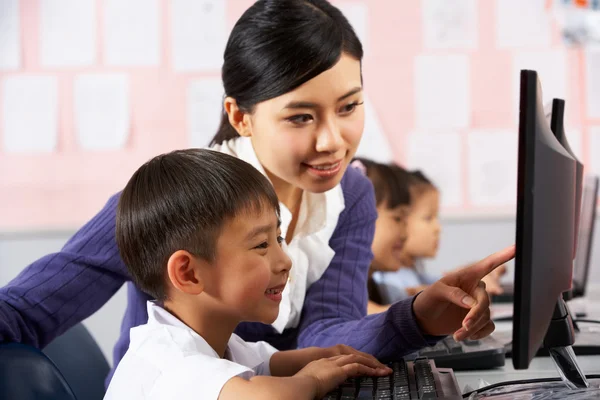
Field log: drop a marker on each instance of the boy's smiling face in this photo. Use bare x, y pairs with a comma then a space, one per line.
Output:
250, 269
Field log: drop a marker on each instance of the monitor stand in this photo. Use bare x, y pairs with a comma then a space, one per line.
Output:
559, 340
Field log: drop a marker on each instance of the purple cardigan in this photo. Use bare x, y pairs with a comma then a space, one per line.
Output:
59, 290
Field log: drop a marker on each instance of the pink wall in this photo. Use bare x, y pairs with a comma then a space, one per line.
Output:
66, 188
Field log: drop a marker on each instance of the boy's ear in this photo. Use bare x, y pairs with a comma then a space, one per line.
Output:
184, 272
237, 118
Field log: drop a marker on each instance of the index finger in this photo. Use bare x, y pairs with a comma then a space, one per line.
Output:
490, 263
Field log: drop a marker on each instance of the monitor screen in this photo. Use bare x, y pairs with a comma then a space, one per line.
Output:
545, 228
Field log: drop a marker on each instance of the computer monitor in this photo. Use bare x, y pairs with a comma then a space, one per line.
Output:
545, 228
587, 220
557, 124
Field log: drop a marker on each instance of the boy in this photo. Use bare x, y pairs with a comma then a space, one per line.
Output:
199, 231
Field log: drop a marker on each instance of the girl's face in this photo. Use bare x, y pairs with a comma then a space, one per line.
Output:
307, 137
423, 226
390, 237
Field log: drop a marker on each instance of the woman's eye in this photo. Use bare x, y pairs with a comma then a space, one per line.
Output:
301, 119
349, 108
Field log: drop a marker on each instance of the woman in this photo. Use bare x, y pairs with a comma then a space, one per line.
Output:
293, 109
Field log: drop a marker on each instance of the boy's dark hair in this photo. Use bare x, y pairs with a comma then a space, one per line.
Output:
419, 183
180, 201
390, 182
278, 45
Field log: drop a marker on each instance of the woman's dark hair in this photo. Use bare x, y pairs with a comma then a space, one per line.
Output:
276, 46
390, 182
418, 183
180, 201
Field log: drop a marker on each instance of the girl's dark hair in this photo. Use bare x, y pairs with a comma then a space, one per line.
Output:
276, 46
390, 182
180, 201
419, 183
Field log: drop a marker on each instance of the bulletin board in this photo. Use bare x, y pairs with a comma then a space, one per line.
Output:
90, 89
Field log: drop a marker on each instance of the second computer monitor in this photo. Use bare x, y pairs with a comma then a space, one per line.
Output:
557, 124
545, 228
589, 201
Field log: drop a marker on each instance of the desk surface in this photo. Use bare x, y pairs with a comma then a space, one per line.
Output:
540, 367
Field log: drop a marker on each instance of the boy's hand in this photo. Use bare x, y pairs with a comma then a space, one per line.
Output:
329, 373
342, 349
458, 303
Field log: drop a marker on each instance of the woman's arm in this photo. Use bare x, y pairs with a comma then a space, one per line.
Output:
61, 289
335, 306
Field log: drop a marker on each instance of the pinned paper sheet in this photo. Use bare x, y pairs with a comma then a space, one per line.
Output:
102, 111
357, 13
131, 32
492, 165
522, 24
199, 34
30, 114
595, 149
374, 144
438, 156
442, 91
592, 59
204, 110
10, 37
67, 32
551, 66
450, 24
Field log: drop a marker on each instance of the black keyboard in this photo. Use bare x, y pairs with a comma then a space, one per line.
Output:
480, 354
411, 380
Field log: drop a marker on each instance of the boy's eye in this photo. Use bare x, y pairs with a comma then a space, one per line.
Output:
279, 239
263, 245
301, 119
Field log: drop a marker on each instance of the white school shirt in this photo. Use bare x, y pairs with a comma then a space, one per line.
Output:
166, 359
309, 249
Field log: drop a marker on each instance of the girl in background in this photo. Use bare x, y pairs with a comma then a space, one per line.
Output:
392, 199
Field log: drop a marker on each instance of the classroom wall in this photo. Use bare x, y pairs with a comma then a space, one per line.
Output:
89, 89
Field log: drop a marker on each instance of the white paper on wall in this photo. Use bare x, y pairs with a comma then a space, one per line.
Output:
492, 165
450, 24
199, 34
30, 114
131, 32
10, 37
595, 149
67, 33
204, 110
442, 91
438, 156
522, 24
374, 144
592, 61
102, 111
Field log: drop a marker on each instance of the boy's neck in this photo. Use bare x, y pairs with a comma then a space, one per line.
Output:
408, 261
206, 320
